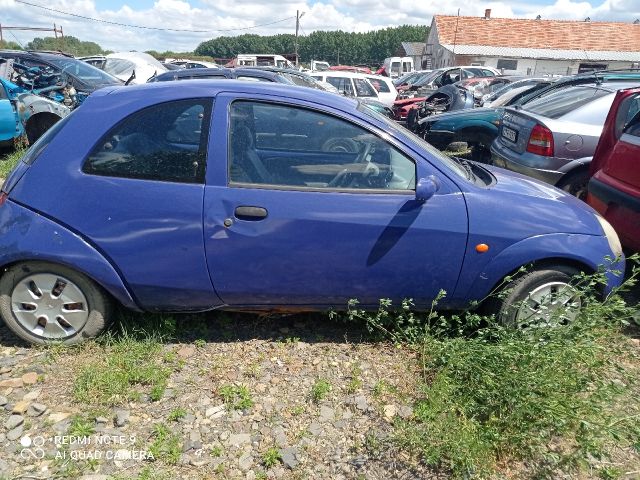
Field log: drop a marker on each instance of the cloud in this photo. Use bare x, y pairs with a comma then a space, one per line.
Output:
347, 15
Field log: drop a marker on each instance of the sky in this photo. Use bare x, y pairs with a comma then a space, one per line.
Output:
234, 17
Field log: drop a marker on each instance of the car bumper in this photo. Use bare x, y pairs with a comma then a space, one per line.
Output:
524, 163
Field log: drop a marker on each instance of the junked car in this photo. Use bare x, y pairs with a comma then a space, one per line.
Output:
553, 137
348, 83
25, 114
387, 92
133, 67
176, 202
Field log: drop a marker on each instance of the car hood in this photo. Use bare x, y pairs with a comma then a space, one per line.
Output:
522, 207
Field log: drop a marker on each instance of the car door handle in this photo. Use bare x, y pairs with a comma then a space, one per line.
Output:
250, 213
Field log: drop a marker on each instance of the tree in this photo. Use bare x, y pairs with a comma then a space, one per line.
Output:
369, 48
66, 44
10, 45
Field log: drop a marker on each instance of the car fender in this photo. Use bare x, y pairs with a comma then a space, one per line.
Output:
575, 164
26, 235
580, 250
30, 105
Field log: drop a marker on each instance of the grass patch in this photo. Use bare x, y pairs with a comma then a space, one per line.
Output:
236, 397
271, 457
320, 390
554, 401
9, 161
166, 445
130, 364
177, 414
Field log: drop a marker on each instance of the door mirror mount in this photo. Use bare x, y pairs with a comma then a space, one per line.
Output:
427, 188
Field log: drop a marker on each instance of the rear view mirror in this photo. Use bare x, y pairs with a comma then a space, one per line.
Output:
427, 188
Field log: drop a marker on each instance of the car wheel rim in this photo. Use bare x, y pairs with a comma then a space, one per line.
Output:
49, 306
550, 304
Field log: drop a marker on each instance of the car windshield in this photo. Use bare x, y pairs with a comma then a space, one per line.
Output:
394, 127
558, 104
85, 72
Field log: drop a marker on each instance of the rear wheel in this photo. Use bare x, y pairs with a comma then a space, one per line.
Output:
575, 183
539, 298
44, 302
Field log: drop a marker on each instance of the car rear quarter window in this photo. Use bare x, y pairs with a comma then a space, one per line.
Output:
342, 84
560, 103
628, 117
289, 147
379, 85
165, 142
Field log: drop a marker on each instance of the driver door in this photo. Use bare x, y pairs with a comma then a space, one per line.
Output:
312, 209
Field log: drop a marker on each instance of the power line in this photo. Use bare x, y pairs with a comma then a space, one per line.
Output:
149, 28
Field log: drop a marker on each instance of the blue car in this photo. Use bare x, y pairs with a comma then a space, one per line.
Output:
249, 196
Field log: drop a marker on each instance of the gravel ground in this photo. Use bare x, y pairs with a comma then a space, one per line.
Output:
284, 433
343, 435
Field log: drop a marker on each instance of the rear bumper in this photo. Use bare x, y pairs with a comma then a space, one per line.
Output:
524, 163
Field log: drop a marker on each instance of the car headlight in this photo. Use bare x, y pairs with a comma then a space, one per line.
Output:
612, 236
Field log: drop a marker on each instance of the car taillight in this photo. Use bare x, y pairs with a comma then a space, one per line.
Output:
541, 141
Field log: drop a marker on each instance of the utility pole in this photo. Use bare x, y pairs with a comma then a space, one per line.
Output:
298, 17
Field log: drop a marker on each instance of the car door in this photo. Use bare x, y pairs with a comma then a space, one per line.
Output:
323, 215
8, 117
623, 160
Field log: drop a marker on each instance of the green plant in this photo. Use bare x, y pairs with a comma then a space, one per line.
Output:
177, 414
216, 451
10, 161
271, 457
236, 397
555, 397
355, 383
261, 475
200, 343
80, 426
166, 445
320, 389
125, 366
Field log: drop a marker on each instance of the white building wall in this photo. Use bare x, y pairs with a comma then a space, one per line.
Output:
532, 66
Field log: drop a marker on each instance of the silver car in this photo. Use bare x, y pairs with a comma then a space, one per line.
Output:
554, 137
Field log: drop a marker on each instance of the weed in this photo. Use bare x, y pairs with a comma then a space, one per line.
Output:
271, 457
491, 395
261, 475
8, 163
125, 365
166, 445
200, 343
356, 382
320, 389
236, 397
298, 410
177, 414
80, 427
216, 451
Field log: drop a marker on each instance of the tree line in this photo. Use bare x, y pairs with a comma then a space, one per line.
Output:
335, 47
68, 44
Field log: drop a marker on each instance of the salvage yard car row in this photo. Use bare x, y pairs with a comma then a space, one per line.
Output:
263, 194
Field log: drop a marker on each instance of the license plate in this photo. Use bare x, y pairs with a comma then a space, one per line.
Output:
509, 134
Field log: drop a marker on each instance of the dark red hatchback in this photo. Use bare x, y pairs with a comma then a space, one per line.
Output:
614, 188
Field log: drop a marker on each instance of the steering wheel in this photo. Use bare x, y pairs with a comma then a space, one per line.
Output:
346, 178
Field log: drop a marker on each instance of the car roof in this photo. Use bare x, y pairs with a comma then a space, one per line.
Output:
609, 87
166, 91
217, 72
342, 73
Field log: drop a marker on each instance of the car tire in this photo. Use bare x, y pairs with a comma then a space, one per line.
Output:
340, 145
534, 299
575, 183
70, 308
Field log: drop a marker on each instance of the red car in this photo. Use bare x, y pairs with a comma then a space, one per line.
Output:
401, 107
614, 188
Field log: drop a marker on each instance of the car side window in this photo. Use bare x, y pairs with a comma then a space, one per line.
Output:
164, 142
632, 124
297, 148
342, 84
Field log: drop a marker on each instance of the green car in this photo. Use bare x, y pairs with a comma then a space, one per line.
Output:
477, 127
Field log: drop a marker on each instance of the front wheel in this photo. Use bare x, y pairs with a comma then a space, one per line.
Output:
43, 302
576, 184
539, 298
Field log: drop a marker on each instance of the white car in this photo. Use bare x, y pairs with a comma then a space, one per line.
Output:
348, 83
123, 64
387, 92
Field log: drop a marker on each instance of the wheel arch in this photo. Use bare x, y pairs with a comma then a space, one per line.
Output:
37, 122
27, 236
